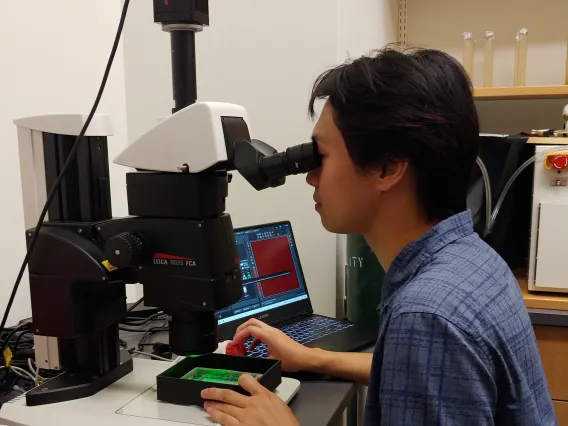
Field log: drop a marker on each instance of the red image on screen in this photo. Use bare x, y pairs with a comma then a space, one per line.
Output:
273, 256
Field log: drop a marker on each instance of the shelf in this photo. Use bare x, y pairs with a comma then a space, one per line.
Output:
533, 140
521, 92
533, 300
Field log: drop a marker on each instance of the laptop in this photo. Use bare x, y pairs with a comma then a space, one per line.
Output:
275, 292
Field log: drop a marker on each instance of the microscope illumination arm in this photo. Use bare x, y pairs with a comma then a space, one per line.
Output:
191, 140
210, 136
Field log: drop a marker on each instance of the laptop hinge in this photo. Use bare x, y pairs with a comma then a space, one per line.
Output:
294, 318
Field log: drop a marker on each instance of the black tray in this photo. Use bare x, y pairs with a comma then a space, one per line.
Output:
171, 388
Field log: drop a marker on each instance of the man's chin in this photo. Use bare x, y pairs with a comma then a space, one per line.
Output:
329, 224
332, 227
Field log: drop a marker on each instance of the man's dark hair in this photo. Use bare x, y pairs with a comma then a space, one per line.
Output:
408, 104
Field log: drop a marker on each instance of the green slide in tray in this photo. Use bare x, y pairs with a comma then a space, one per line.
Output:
216, 375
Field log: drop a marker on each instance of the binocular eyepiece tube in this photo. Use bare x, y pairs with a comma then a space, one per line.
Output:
295, 160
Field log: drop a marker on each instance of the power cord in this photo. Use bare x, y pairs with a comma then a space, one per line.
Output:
20, 374
24, 342
134, 351
137, 322
6, 340
65, 169
135, 304
12, 331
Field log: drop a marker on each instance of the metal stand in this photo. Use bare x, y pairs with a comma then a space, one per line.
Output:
182, 19
184, 80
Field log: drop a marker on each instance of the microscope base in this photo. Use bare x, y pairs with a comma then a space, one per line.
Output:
70, 386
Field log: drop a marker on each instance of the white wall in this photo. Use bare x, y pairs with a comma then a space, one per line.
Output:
260, 55
440, 24
365, 25
264, 56
52, 57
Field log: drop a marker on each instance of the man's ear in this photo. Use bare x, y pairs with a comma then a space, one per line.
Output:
391, 173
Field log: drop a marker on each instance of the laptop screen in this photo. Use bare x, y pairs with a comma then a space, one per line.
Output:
271, 273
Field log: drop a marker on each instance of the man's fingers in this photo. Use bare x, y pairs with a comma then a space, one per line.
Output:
254, 344
224, 395
252, 321
216, 412
251, 331
230, 410
251, 385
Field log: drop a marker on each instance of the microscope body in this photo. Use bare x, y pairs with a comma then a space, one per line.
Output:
177, 241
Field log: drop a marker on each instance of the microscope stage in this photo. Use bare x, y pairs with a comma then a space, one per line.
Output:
131, 401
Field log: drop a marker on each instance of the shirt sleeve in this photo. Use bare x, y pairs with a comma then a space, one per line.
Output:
433, 373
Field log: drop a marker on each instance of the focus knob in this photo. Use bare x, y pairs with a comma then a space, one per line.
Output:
124, 250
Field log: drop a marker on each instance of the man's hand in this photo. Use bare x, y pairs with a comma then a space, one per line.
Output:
293, 356
296, 357
262, 408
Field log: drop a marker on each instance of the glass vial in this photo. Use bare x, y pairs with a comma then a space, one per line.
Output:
468, 53
488, 59
521, 57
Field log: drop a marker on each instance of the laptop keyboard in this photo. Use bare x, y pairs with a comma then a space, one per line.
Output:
303, 331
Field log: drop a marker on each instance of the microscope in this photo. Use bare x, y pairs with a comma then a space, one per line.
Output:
177, 241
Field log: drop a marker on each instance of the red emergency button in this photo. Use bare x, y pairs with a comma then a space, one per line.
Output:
556, 161
560, 161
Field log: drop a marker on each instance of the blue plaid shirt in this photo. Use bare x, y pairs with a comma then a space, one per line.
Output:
456, 345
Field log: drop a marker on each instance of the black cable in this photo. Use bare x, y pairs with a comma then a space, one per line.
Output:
132, 329
141, 319
158, 316
11, 331
148, 333
24, 353
7, 382
6, 340
17, 342
65, 168
135, 305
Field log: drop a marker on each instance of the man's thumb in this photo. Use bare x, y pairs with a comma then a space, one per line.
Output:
251, 385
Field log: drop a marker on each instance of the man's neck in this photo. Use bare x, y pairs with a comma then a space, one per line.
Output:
388, 238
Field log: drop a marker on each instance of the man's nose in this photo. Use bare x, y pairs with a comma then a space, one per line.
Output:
312, 177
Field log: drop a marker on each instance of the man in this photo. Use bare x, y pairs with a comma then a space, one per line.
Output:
398, 136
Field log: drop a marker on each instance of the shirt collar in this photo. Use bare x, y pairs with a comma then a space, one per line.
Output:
411, 258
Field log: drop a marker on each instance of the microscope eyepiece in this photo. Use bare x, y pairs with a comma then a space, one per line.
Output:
263, 167
295, 160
